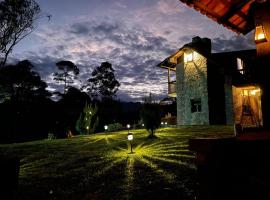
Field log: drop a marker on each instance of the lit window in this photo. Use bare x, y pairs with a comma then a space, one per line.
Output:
260, 34
188, 57
240, 65
196, 105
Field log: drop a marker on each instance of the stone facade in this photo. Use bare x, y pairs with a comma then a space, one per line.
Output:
192, 92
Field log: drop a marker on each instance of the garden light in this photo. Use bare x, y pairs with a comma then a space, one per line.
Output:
162, 123
105, 127
130, 139
142, 125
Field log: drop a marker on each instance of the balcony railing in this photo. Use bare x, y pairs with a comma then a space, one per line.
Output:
172, 88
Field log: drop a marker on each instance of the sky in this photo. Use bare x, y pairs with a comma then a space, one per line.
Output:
134, 36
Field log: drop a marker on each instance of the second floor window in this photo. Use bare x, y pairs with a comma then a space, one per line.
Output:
240, 65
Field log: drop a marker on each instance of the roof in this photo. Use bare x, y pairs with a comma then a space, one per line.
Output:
236, 15
201, 45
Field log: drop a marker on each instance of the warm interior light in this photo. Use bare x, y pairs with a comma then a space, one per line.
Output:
260, 34
253, 92
188, 57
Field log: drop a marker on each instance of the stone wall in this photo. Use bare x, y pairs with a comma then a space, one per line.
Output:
191, 83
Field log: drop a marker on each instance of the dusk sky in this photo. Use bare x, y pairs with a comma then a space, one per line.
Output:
132, 35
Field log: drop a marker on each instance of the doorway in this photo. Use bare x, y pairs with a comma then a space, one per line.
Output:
247, 106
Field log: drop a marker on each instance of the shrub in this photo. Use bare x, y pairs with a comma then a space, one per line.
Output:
115, 127
151, 117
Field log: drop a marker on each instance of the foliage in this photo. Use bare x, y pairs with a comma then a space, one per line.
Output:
17, 21
151, 117
103, 83
51, 136
115, 127
88, 120
68, 74
20, 83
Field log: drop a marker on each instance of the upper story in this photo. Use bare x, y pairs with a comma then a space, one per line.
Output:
204, 68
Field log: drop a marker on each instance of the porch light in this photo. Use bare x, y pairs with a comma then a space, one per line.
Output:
188, 57
260, 34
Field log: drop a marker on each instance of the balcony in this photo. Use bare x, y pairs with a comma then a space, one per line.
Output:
172, 89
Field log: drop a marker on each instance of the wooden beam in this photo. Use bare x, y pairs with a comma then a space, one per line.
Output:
235, 9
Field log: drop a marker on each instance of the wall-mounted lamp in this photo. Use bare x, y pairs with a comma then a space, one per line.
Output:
260, 35
188, 56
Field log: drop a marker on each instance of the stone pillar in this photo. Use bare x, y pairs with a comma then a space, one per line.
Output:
262, 17
229, 100
179, 92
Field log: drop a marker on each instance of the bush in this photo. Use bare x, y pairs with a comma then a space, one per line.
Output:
115, 127
151, 117
51, 136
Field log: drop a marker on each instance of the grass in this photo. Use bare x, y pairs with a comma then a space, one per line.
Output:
100, 167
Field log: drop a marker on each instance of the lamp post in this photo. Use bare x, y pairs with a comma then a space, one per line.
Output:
130, 139
105, 128
128, 127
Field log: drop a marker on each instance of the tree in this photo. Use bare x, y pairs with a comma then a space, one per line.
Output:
16, 22
103, 83
20, 83
88, 120
151, 115
68, 74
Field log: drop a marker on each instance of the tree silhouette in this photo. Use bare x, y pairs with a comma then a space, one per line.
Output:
103, 83
151, 115
68, 74
16, 22
20, 83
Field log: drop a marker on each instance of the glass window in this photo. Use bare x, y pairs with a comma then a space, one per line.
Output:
196, 105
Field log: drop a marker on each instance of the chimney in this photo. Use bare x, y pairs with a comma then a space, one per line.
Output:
202, 45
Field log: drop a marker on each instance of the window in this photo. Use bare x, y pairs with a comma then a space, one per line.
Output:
196, 105
188, 56
240, 65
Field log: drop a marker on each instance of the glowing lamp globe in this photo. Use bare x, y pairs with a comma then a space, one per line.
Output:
105, 127
128, 126
130, 137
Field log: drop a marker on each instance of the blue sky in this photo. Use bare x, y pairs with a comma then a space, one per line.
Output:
132, 35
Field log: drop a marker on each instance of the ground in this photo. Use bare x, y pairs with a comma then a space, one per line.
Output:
99, 166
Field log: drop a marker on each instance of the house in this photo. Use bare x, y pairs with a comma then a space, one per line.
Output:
214, 88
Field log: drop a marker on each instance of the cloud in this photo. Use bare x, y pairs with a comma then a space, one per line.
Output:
134, 37
236, 42
133, 52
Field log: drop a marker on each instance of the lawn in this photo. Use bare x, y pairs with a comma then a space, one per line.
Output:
99, 167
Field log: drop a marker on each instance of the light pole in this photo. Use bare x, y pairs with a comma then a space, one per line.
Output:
105, 128
130, 139
128, 127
